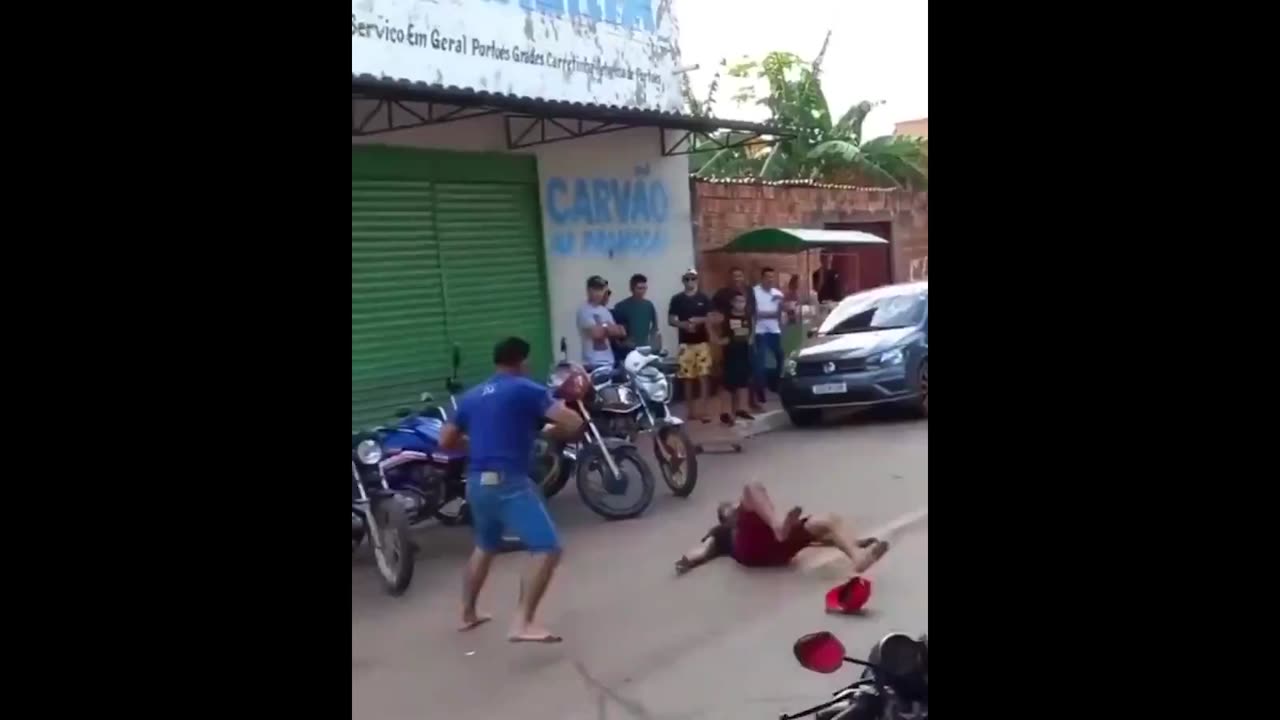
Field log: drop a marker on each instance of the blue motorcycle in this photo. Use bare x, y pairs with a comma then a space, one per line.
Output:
430, 480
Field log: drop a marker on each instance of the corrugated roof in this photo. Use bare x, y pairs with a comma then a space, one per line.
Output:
402, 89
789, 183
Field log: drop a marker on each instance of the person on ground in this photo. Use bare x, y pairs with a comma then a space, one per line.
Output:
497, 423
688, 312
756, 534
640, 318
735, 338
827, 281
596, 326
768, 332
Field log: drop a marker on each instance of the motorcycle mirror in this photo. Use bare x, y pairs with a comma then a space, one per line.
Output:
564, 347
457, 358
427, 397
820, 652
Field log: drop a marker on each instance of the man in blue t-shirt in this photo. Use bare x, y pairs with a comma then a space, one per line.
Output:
497, 423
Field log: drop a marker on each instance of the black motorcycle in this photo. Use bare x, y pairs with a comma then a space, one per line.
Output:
377, 513
894, 684
606, 468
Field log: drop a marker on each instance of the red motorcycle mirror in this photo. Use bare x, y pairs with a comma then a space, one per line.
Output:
820, 652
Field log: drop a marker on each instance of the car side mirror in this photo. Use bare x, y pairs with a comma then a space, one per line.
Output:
812, 332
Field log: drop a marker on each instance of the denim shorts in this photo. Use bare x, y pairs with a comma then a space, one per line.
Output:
510, 508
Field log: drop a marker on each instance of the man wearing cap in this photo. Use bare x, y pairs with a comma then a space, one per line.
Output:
596, 326
688, 312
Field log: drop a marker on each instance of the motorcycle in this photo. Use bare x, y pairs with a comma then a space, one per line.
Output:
597, 453
431, 480
894, 684
377, 513
638, 401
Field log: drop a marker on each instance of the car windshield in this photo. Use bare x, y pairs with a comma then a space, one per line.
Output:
876, 311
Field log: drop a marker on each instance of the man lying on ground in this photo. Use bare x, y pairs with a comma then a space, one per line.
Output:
755, 534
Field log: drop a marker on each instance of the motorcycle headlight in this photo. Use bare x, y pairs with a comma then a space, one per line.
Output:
888, 358
369, 452
656, 389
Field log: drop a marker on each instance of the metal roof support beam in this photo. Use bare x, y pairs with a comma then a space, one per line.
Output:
687, 142
376, 123
538, 126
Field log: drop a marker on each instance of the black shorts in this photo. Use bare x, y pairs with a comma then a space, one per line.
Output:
737, 365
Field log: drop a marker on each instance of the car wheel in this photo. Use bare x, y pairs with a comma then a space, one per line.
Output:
924, 387
804, 418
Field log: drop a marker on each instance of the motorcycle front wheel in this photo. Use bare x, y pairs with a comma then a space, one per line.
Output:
606, 494
677, 459
394, 552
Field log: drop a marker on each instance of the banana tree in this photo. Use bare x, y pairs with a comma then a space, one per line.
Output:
818, 148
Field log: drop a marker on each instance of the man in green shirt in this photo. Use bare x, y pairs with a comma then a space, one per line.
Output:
639, 317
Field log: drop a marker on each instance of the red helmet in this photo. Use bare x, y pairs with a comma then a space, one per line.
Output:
849, 598
571, 382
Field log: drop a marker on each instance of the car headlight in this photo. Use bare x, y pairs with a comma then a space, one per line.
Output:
888, 358
789, 367
369, 452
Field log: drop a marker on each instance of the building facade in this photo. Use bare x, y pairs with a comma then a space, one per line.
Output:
502, 153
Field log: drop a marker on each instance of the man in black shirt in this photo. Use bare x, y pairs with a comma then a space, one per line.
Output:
827, 281
738, 283
688, 312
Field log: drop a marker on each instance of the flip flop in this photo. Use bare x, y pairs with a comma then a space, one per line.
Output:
547, 639
474, 624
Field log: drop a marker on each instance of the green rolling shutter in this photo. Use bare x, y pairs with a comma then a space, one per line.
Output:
491, 252
397, 317
445, 248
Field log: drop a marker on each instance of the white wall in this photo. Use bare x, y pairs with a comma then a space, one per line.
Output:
583, 234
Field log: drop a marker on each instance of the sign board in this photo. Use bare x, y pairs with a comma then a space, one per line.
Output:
608, 52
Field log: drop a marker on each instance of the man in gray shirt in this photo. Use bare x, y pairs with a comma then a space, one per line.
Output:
596, 325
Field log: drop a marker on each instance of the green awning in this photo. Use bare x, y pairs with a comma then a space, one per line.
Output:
794, 240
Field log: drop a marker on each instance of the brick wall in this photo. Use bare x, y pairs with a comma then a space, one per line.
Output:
724, 210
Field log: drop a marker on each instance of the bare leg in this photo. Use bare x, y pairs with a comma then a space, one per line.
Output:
756, 499
704, 395
525, 629
829, 529
472, 582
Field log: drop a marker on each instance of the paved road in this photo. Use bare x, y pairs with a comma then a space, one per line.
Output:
641, 643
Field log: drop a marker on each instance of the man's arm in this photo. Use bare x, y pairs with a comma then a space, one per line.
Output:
587, 324
673, 318
655, 337
453, 434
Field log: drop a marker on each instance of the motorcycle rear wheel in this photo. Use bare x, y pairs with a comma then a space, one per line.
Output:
394, 554
681, 483
633, 468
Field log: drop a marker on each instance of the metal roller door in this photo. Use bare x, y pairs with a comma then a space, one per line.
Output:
445, 248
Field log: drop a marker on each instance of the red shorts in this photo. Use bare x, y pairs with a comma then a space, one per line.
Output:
755, 545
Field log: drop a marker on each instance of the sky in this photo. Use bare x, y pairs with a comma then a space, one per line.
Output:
879, 50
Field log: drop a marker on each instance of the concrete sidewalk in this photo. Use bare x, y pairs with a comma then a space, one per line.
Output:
773, 418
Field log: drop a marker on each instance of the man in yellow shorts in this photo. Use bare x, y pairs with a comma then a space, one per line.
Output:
688, 312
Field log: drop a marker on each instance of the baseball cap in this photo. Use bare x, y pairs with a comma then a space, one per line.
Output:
690, 273
595, 282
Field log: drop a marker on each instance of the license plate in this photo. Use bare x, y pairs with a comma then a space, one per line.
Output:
830, 389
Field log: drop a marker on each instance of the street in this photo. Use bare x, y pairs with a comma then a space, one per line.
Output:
639, 641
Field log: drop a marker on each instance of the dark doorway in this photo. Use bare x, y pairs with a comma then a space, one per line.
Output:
866, 266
